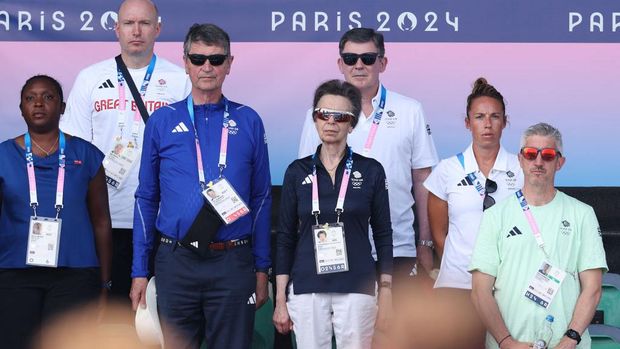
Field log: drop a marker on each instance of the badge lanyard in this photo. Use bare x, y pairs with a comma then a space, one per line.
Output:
32, 184
341, 194
376, 120
530, 219
137, 119
472, 176
223, 141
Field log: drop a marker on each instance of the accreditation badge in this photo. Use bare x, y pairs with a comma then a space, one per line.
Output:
545, 284
43, 241
221, 195
119, 161
330, 248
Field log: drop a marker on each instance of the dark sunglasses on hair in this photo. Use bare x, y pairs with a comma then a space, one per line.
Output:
368, 58
339, 116
547, 154
490, 187
214, 60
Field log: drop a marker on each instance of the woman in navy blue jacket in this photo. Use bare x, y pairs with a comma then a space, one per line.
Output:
323, 250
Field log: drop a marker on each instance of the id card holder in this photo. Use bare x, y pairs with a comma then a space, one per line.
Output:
545, 284
225, 201
43, 242
330, 248
119, 161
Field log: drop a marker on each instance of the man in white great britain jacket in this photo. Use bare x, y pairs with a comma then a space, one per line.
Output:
102, 110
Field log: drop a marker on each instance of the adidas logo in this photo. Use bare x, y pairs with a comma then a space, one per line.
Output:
180, 128
195, 244
107, 84
465, 182
252, 299
514, 231
307, 180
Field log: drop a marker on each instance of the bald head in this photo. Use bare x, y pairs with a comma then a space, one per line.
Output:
137, 28
144, 3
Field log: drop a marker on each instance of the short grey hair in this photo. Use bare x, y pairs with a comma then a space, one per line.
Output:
545, 130
208, 34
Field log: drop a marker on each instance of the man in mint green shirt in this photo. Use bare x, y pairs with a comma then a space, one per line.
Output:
509, 257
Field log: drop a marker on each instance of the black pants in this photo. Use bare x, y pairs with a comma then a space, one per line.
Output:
122, 253
209, 298
30, 298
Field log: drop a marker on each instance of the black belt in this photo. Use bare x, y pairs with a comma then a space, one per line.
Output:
215, 246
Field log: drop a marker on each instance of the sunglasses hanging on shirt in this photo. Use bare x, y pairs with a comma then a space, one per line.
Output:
490, 187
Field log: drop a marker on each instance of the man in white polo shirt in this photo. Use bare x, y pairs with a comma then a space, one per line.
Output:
394, 132
102, 110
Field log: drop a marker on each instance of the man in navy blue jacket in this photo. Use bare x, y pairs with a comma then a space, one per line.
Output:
209, 279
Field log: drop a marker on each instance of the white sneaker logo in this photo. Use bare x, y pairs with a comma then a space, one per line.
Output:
252, 299
180, 128
307, 180
195, 244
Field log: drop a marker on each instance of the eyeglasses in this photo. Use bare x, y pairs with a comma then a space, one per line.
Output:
214, 60
339, 116
490, 187
547, 154
368, 58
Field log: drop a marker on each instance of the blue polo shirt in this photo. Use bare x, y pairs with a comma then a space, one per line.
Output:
366, 201
169, 195
77, 241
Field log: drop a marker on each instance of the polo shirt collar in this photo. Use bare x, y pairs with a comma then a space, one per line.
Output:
375, 103
501, 162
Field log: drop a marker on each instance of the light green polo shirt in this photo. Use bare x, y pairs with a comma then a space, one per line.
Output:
506, 249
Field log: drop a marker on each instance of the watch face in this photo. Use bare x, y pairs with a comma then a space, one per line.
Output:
572, 334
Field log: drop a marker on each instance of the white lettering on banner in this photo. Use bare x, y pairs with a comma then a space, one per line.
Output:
595, 23
384, 20
24, 19
86, 17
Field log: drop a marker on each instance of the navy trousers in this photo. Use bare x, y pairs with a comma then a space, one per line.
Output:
211, 298
32, 297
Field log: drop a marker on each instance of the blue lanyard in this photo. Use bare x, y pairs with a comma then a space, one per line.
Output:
147, 76
471, 176
376, 120
32, 183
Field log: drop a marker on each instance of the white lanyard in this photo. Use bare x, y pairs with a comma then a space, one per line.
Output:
376, 120
223, 141
530, 219
137, 119
32, 183
343, 187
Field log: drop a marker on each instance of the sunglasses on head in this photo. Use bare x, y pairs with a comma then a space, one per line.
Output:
368, 58
339, 116
547, 154
490, 187
214, 60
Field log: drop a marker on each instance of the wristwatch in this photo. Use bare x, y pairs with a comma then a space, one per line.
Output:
427, 243
572, 334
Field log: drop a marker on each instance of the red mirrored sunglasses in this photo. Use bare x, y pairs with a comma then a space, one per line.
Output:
547, 154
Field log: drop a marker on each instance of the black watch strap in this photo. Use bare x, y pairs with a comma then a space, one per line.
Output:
574, 335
